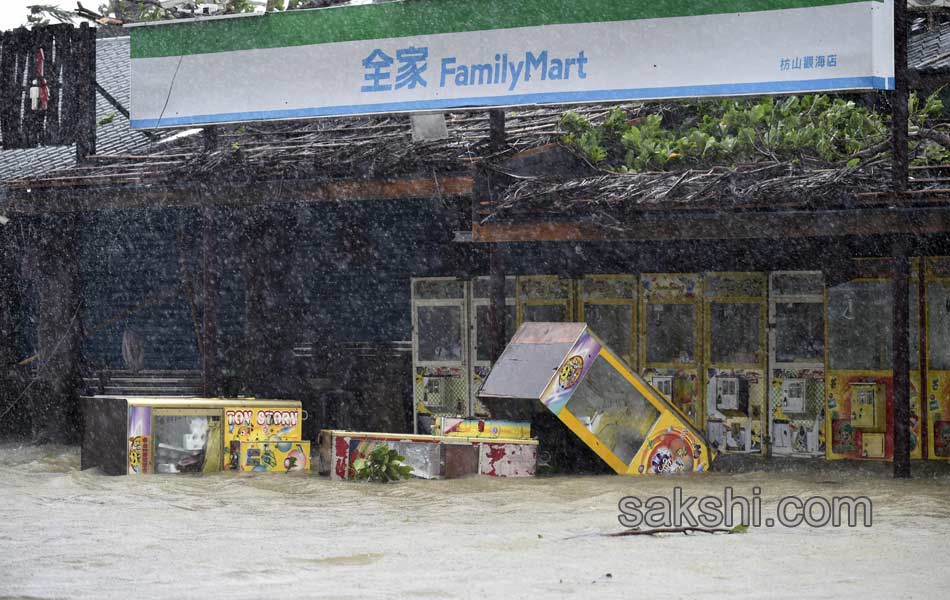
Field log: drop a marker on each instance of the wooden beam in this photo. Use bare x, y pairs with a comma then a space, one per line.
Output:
899, 99
900, 355
86, 108
497, 308
26, 202
922, 354
722, 226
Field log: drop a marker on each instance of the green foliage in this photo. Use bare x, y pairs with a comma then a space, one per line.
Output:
238, 6
728, 132
40, 14
107, 119
740, 528
131, 11
382, 465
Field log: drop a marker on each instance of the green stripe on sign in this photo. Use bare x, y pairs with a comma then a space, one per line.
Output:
421, 17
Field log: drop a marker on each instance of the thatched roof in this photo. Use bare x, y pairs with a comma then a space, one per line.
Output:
326, 149
758, 186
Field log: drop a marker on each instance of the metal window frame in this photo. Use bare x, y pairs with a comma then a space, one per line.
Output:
630, 353
775, 299
461, 303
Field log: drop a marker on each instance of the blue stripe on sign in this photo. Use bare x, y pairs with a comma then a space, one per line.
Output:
686, 91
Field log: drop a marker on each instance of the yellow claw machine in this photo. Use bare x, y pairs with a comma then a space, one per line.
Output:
859, 381
937, 391
567, 369
734, 343
670, 336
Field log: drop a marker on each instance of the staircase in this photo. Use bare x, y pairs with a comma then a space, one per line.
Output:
144, 383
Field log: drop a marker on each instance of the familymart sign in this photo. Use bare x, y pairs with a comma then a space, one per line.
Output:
423, 55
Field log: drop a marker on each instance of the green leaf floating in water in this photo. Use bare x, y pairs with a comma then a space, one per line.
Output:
382, 465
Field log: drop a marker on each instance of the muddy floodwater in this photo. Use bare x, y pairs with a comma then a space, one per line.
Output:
65, 533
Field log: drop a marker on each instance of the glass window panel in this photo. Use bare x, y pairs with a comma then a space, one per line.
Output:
860, 316
613, 410
613, 323
483, 330
799, 332
483, 287
735, 333
938, 316
609, 288
544, 288
184, 443
437, 289
440, 333
671, 335
545, 313
797, 284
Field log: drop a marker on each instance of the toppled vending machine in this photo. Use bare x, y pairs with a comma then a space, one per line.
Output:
567, 369
139, 435
431, 456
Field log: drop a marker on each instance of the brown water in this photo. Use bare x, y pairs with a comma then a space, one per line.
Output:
66, 533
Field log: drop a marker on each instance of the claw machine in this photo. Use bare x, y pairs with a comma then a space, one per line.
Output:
569, 371
545, 298
439, 349
139, 435
859, 379
797, 363
670, 339
608, 304
937, 391
480, 333
735, 350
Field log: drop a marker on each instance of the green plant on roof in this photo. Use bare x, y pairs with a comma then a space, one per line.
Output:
382, 465
812, 129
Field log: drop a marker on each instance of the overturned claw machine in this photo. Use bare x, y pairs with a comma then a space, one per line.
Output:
565, 368
140, 435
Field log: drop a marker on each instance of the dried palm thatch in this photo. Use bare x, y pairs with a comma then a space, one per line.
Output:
362, 147
758, 186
